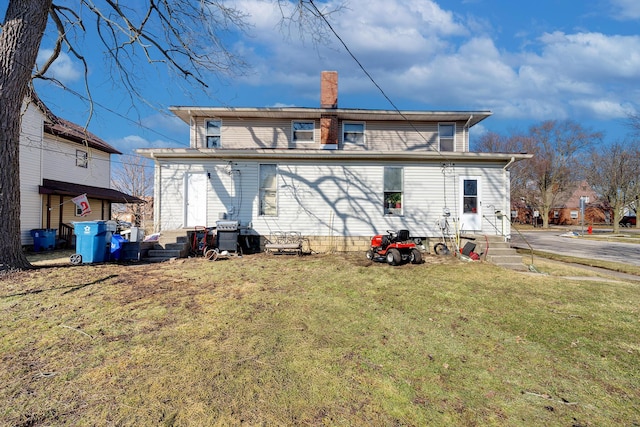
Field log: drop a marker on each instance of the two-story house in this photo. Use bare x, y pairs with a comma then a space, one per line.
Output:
60, 160
335, 175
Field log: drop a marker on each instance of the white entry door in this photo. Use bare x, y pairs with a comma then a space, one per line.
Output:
195, 199
471, 203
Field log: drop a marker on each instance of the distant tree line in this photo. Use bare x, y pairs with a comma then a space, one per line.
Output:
565, 154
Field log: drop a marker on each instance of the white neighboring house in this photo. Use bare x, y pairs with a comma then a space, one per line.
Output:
337, 176
59, 160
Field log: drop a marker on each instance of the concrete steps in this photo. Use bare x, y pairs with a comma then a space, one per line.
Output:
502, 254
496, 251
171, 245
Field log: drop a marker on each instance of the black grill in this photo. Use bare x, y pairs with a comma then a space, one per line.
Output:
227, 235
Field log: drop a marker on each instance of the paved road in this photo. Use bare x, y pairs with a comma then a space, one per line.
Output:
553, 241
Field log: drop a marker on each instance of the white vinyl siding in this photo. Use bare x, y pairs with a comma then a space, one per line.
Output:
332, 199
31, 157
278, 133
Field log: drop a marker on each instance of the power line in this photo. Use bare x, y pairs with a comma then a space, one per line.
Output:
116, 113
385, 95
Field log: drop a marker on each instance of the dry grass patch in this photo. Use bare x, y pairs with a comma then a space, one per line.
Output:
317, 340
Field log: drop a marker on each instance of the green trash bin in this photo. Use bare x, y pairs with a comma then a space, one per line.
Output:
91, 242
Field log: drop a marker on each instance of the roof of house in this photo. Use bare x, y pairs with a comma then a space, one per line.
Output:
57, 126
50, 186
471, 117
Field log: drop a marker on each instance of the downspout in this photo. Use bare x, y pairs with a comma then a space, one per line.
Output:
466, 127
506, 209
157, 202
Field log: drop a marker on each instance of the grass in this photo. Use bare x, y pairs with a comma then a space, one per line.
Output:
317, 340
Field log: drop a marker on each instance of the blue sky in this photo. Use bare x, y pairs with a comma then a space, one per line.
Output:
525, 61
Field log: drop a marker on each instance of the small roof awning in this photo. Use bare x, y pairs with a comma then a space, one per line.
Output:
50, 186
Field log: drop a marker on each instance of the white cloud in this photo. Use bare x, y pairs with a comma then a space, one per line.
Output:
421, 53
625, 9
131, 142
62, 69
166, 122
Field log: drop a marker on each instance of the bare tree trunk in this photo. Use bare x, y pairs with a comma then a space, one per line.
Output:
24, 25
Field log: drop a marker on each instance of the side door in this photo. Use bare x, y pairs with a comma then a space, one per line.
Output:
195, 199
470, 203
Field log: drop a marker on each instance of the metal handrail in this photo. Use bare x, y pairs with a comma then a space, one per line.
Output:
525, 240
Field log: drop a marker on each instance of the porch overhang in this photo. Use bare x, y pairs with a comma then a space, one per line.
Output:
53, 187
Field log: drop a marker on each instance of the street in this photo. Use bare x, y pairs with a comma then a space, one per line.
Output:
553, 241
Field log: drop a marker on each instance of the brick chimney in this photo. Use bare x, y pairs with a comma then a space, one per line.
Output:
329, 100
329, 89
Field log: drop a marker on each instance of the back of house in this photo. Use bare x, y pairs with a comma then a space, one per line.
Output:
337, 176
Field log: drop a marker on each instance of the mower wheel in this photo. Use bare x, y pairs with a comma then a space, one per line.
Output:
416, 256
370, 254
393, 257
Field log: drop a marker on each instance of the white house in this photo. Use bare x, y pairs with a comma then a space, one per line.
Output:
60, 160
337, 176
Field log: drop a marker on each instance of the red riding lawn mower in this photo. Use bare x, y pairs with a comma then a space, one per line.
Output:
394, 248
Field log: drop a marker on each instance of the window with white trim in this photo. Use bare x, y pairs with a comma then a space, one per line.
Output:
353, 133
303, 132
446, 136
213, 133
268, 190
82, 159
393, 189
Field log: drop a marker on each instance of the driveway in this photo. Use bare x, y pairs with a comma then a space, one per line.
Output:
553, 241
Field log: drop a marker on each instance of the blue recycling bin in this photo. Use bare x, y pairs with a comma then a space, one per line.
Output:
117, 244
44, 239
91, 241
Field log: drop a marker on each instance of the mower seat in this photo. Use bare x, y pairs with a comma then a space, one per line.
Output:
402, 236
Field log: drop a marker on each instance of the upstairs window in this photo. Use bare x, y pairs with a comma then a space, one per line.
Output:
353, 133
213, 133
268, 190
393, 189
82, 159
446, 136
303, 132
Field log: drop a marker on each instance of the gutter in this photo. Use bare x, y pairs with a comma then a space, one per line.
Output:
506, 208
324, 155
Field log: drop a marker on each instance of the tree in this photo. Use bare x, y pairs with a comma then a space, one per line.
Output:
613, 173
557, 147
186, 36
492, 142
134, 177
24, 24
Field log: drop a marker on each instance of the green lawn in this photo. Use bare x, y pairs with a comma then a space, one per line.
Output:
317, 340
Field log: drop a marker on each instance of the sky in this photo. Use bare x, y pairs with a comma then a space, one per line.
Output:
525, 61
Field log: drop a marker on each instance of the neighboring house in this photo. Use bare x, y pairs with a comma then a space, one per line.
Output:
337, 176
59, 160
567, 211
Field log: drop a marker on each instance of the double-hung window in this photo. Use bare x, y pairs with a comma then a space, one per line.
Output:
268, 190
303, 132
447, 136
353, 133
213, 133
393, 190
82, 159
